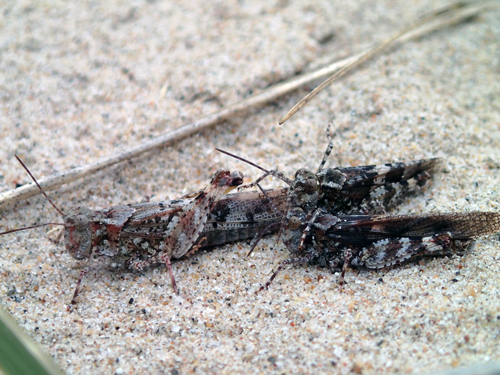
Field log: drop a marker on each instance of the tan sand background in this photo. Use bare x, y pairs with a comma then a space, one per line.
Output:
82, 80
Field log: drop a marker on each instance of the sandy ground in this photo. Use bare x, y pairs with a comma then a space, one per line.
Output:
81, 81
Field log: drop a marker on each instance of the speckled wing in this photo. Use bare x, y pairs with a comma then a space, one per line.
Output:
241, 216
192, 221
236, 217
381, 241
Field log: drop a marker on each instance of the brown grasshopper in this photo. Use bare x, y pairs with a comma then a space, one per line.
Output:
140, 235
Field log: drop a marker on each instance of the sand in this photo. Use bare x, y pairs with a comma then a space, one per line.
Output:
82, 81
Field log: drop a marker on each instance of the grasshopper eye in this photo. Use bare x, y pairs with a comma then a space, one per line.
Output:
310, 186
237, 177
294, 223
81, 222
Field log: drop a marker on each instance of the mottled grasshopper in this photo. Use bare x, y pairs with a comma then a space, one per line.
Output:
140, 235
333, 217
379, 241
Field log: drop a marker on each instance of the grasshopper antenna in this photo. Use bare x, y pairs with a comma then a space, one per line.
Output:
243, 159
329, 148
26, 228
43, 192
37, 184
272, 172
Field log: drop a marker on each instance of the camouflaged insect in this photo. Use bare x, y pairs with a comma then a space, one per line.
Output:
323, 225
245, 215
352, 190
333, 218
141, 235
314, 197
379, 241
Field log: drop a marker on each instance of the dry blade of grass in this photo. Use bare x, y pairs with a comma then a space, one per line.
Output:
447, 16
427, 23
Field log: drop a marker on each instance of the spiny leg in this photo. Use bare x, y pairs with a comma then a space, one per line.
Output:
307, 229
162, 258
284, 219
77, 289
259, 236
275, 209
99, 263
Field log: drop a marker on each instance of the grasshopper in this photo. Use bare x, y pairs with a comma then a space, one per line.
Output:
335, 217
379, 241
140, 235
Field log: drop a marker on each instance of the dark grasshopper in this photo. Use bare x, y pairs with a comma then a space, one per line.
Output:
379, 241
141, 235
333, 218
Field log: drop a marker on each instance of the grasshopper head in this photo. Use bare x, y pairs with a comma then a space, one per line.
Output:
305, 191
78, 232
